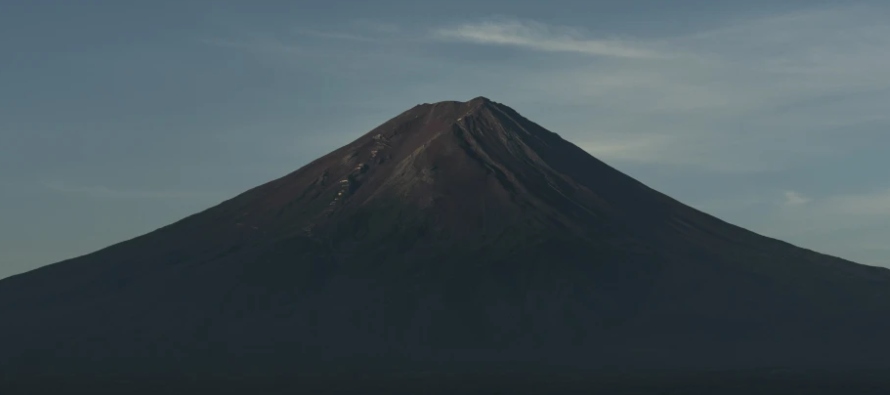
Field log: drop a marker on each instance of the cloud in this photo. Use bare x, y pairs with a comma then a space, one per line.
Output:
541, 37
102, 192
795, 199
757, 95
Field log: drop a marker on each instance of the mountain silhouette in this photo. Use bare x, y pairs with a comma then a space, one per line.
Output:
458, 238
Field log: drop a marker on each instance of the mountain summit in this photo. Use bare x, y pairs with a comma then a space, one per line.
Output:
456, 237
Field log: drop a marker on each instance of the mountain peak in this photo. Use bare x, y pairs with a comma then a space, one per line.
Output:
428, 121
475, 100
460, 108
480, 99
447, 166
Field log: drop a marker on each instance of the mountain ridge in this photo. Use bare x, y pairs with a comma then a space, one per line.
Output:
454, 234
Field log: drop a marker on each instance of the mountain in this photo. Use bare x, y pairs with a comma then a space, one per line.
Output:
456, 239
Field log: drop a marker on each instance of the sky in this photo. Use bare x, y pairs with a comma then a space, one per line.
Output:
117, 118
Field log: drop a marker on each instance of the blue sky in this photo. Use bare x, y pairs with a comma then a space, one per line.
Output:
118, 118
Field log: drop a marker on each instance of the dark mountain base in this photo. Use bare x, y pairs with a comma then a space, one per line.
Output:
536, 382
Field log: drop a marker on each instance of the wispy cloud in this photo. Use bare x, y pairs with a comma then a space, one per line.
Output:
784, 87
541, 37
793, 198
103, 192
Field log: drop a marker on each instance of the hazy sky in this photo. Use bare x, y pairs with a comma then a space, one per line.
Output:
118, 118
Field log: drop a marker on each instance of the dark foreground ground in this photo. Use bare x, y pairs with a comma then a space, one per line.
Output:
848, 383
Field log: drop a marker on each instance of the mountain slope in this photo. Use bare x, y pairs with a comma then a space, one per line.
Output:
457, 235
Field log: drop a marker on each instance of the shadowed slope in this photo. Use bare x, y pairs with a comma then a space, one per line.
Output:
457, 235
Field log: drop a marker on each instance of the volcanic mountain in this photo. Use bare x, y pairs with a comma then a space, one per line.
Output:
455, 237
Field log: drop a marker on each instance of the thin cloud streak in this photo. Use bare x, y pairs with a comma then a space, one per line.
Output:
541, 37
793, 198
785, 82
